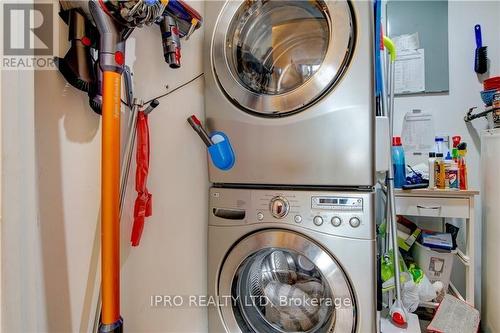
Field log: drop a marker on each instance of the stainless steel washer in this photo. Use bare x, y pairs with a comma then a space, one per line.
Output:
270, 273
291, 84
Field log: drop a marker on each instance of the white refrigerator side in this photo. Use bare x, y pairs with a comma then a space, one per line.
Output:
490, 163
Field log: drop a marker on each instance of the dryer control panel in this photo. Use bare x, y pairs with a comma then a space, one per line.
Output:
347, 214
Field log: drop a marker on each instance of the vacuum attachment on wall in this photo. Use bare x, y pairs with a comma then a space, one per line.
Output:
179, 21
170, 41
76, 66
219, 147
221, 152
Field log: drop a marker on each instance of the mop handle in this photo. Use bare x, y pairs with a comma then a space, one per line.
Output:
391, 47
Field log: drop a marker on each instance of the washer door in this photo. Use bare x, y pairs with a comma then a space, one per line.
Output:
281, 281
274, 57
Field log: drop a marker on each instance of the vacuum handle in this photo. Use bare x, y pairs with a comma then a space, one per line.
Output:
479, 38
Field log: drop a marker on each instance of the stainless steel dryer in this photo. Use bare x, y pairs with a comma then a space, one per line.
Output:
291, 261
291, 84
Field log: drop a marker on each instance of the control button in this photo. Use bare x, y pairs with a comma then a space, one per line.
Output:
119, 58
279, 207
297, 218
354, 222
318, 220
336, 221
260, 216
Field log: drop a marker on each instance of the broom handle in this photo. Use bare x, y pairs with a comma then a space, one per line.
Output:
390, 184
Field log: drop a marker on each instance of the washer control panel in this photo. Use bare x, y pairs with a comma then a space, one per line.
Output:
346, 214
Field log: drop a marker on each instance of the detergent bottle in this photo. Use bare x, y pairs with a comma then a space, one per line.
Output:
398, 162
439, 175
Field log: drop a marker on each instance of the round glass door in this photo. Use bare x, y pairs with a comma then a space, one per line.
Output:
274, 57
280, 281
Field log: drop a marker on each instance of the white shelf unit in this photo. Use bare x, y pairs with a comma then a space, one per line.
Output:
445, 204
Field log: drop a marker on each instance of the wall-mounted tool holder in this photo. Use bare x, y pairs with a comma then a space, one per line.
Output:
218, 144
221, 152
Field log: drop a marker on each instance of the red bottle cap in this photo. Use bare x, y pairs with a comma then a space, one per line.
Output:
396, 141
456, 140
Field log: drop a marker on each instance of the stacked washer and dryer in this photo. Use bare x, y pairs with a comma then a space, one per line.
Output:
291, 226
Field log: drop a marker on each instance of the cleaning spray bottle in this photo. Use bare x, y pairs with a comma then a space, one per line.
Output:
448, 161
398, 160
462, 166
454, 152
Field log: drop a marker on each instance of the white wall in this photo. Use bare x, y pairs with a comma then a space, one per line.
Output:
171, 259
449, 109
21, 264
52, 253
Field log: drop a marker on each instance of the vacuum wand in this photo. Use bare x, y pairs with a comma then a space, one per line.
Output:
197, 126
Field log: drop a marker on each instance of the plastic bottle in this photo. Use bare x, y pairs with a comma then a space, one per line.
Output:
448, 161
439, 141
462, 166
453, 176
454, 152
439, 171
432, 178
398, 162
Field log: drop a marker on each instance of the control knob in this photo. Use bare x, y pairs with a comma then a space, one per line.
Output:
318, 220
336, 221
354, 222
279, 207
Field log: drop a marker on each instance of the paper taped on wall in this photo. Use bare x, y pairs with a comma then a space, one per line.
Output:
409, 76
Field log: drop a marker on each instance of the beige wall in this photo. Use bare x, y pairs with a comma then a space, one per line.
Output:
50, 231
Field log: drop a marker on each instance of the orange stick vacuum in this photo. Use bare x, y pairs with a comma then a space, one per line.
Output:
111, 62
110, 192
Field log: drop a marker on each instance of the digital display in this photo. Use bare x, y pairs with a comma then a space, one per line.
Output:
337, 203
328, 201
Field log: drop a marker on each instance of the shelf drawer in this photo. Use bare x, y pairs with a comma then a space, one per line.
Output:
432, 207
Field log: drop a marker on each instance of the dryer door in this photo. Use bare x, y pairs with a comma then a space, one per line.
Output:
282, 281
275, 57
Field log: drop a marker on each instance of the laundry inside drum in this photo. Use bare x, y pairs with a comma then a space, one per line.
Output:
279, 290
274, 47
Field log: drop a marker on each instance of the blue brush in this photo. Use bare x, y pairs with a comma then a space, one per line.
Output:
481, 58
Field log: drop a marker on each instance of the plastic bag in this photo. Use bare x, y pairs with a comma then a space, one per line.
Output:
410, 295
426, 291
